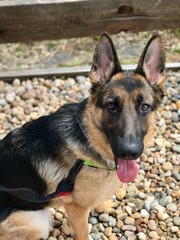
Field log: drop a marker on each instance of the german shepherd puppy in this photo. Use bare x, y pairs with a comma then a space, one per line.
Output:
109, 128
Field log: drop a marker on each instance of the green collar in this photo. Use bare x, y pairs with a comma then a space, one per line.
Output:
98, 165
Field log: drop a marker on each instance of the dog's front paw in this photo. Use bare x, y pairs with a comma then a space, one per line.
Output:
107, 206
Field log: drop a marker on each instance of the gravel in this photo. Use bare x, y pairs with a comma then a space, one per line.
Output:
146, 209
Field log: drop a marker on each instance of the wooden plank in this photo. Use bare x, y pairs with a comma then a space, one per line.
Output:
36, 20
9, 76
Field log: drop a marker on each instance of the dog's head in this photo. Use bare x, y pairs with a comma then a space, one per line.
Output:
122, 104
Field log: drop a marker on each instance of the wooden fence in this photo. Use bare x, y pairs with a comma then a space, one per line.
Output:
36, 20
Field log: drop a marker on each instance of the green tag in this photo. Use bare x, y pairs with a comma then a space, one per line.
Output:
98, 165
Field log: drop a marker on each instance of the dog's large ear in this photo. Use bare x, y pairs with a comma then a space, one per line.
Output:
105, 60
152, 61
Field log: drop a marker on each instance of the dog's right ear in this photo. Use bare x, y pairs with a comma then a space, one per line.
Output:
105, 60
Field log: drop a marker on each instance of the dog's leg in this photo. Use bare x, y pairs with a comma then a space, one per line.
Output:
107, 207
26, 225
78, 218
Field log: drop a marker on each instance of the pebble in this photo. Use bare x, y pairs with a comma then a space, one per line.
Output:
94, 229
147, 206
159, 142
141, 236
33, 115
136, 215
152, 225
96, 236
158, 207
16, 82
167, 115
175, 117
161, 160
176, 194
176, 175
128, 210
122, 215
161, 122
129, 221
112, 222
103, 237
116, 230
66, 229
58, 216
80, 79
144, 213
172, 207
104, 217
174, 229
120, 193
89, 237
3, 102
154, 235
61, 238
132, 191
141, 195
166, 166
162, 216
108, 231
52, 238
93, 220
128, 228
165, 200
100, 227
176, 148
56, 232
2, 85
10, 97
176, 221
120, 223
89, 227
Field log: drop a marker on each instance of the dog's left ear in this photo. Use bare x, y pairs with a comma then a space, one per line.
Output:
105, 60
152, 61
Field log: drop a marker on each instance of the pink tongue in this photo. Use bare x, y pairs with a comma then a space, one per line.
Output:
127, 170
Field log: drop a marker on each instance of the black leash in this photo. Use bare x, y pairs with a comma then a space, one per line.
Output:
64, 188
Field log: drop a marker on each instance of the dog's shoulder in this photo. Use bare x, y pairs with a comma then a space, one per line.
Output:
43, 135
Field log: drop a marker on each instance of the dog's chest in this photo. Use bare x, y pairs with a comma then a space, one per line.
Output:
94, 186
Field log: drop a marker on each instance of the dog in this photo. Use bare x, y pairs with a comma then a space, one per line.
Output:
92, 145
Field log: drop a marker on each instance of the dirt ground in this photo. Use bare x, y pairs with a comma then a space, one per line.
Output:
78, 51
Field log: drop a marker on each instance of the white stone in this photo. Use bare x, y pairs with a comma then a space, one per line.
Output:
144, 213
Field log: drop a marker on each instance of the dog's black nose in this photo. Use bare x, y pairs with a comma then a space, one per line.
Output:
130, 149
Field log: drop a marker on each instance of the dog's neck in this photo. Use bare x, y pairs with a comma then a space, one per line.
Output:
96, 157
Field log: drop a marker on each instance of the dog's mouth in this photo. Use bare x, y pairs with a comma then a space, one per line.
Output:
126, 170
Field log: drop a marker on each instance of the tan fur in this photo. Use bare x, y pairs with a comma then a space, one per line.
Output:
150, 133
26, 225
96, 136
118, 76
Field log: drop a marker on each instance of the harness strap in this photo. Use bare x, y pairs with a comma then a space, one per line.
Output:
64, 188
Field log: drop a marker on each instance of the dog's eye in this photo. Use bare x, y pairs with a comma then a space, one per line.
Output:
111, 107
145, 107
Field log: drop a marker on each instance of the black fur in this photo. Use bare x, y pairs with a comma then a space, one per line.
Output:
36, 141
